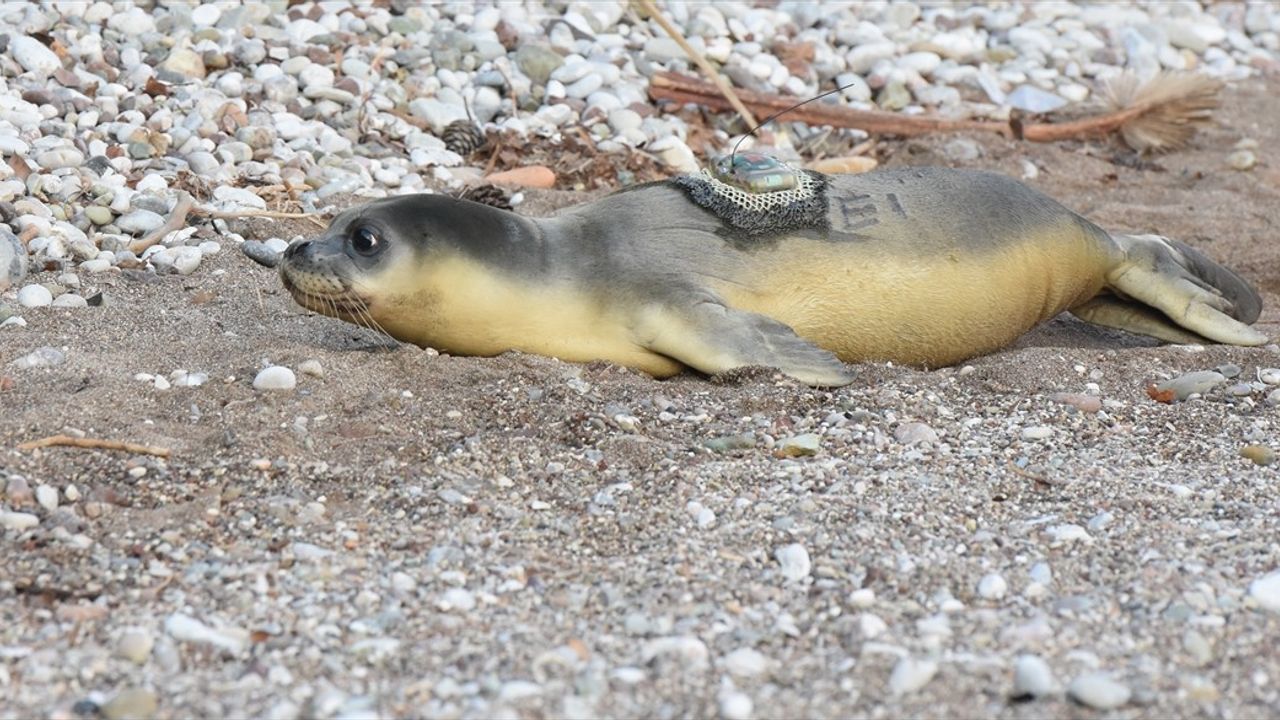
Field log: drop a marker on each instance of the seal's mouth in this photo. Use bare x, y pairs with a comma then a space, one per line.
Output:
344, 304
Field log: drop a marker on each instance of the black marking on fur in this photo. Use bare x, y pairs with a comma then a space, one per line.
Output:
896, 205
810, 212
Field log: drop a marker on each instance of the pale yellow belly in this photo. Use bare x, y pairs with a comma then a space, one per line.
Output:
866, 304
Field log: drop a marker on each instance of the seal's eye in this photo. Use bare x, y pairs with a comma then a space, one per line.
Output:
366, 241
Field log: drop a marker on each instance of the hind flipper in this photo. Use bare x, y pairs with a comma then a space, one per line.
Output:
1110, 311
1191, 290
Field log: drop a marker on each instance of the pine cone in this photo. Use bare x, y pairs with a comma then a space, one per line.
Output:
488, 195
462, 137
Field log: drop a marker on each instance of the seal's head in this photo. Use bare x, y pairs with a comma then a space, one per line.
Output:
402, 264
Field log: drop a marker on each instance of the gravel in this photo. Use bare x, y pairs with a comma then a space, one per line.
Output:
409, 534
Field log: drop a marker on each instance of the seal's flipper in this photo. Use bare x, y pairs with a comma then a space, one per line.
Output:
1110, 311
712, 338
1190, 289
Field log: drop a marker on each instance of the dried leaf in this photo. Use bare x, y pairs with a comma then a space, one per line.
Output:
20, 167
1162, 396
154, 87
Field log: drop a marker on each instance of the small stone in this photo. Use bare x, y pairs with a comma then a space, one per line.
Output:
735, 705
135, 646
262, 253
1032, 99
1097, 690
312, 368
1259, 454
537, 62
186, 259
33, 296
741, 441
1192, 383
799, 445
675, 154
992, 587
186, 63
794, 559
18, 520
99, 215
862, 597
1081, 402
34, 56
40, 357
188, 629
913, 433
276, 377
70, 300
1197, 647
458, 599
139, 222
1037, 432
746, 663
962, 150
1032, 677
17, 492
1266, 592
1242, 160
911, 675
131, 704
47, 496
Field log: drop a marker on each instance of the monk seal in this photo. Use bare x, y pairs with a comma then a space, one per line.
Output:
922, 266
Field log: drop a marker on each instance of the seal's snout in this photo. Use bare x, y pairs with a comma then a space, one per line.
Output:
296, 249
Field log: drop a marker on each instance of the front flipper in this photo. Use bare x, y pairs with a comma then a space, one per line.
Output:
713, 338
1191, 290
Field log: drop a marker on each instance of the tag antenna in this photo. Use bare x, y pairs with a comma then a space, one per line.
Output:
774, 116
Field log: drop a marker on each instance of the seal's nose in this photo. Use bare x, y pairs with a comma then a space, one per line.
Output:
296, 249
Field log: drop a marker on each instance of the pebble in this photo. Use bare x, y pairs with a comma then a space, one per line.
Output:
131, 704
312, 368
34, 56
1081, 402
1032, 677
135, 646
746, 663
18, 520
992, 587
70, 300
1259, 454
188, 629
1265, 591
1192, 383
47, 497
794, 559
276, 377
799, 445
34, 296
1099, 691
1037, 432
911, 675
40, 357
1242, 160
17, 491
735, 705
915, 433
139, 222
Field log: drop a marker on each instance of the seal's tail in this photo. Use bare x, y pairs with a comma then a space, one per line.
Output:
1196, 298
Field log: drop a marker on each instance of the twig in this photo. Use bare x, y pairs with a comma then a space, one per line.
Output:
493, 157
93, 443
237, 214
1167, 103
175, 222
721, 84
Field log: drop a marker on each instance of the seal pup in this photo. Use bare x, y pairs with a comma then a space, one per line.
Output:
921, 266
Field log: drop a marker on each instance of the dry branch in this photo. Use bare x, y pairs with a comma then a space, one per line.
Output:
1159, 115
95, 444
722, 85
176, 220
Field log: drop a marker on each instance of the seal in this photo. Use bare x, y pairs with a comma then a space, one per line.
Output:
921, 266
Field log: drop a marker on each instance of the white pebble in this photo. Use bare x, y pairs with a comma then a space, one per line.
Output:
794, 559
872, 626
1031, 677
862, 597
1068, 533
33, 296
276, 377
1037, 432
456, 599
188, 629
992, 587
33, 55
312, 368
70, 300
47, 496
735, 705
1266, 591
1099, 691
18, 520
746, 663
910, 675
